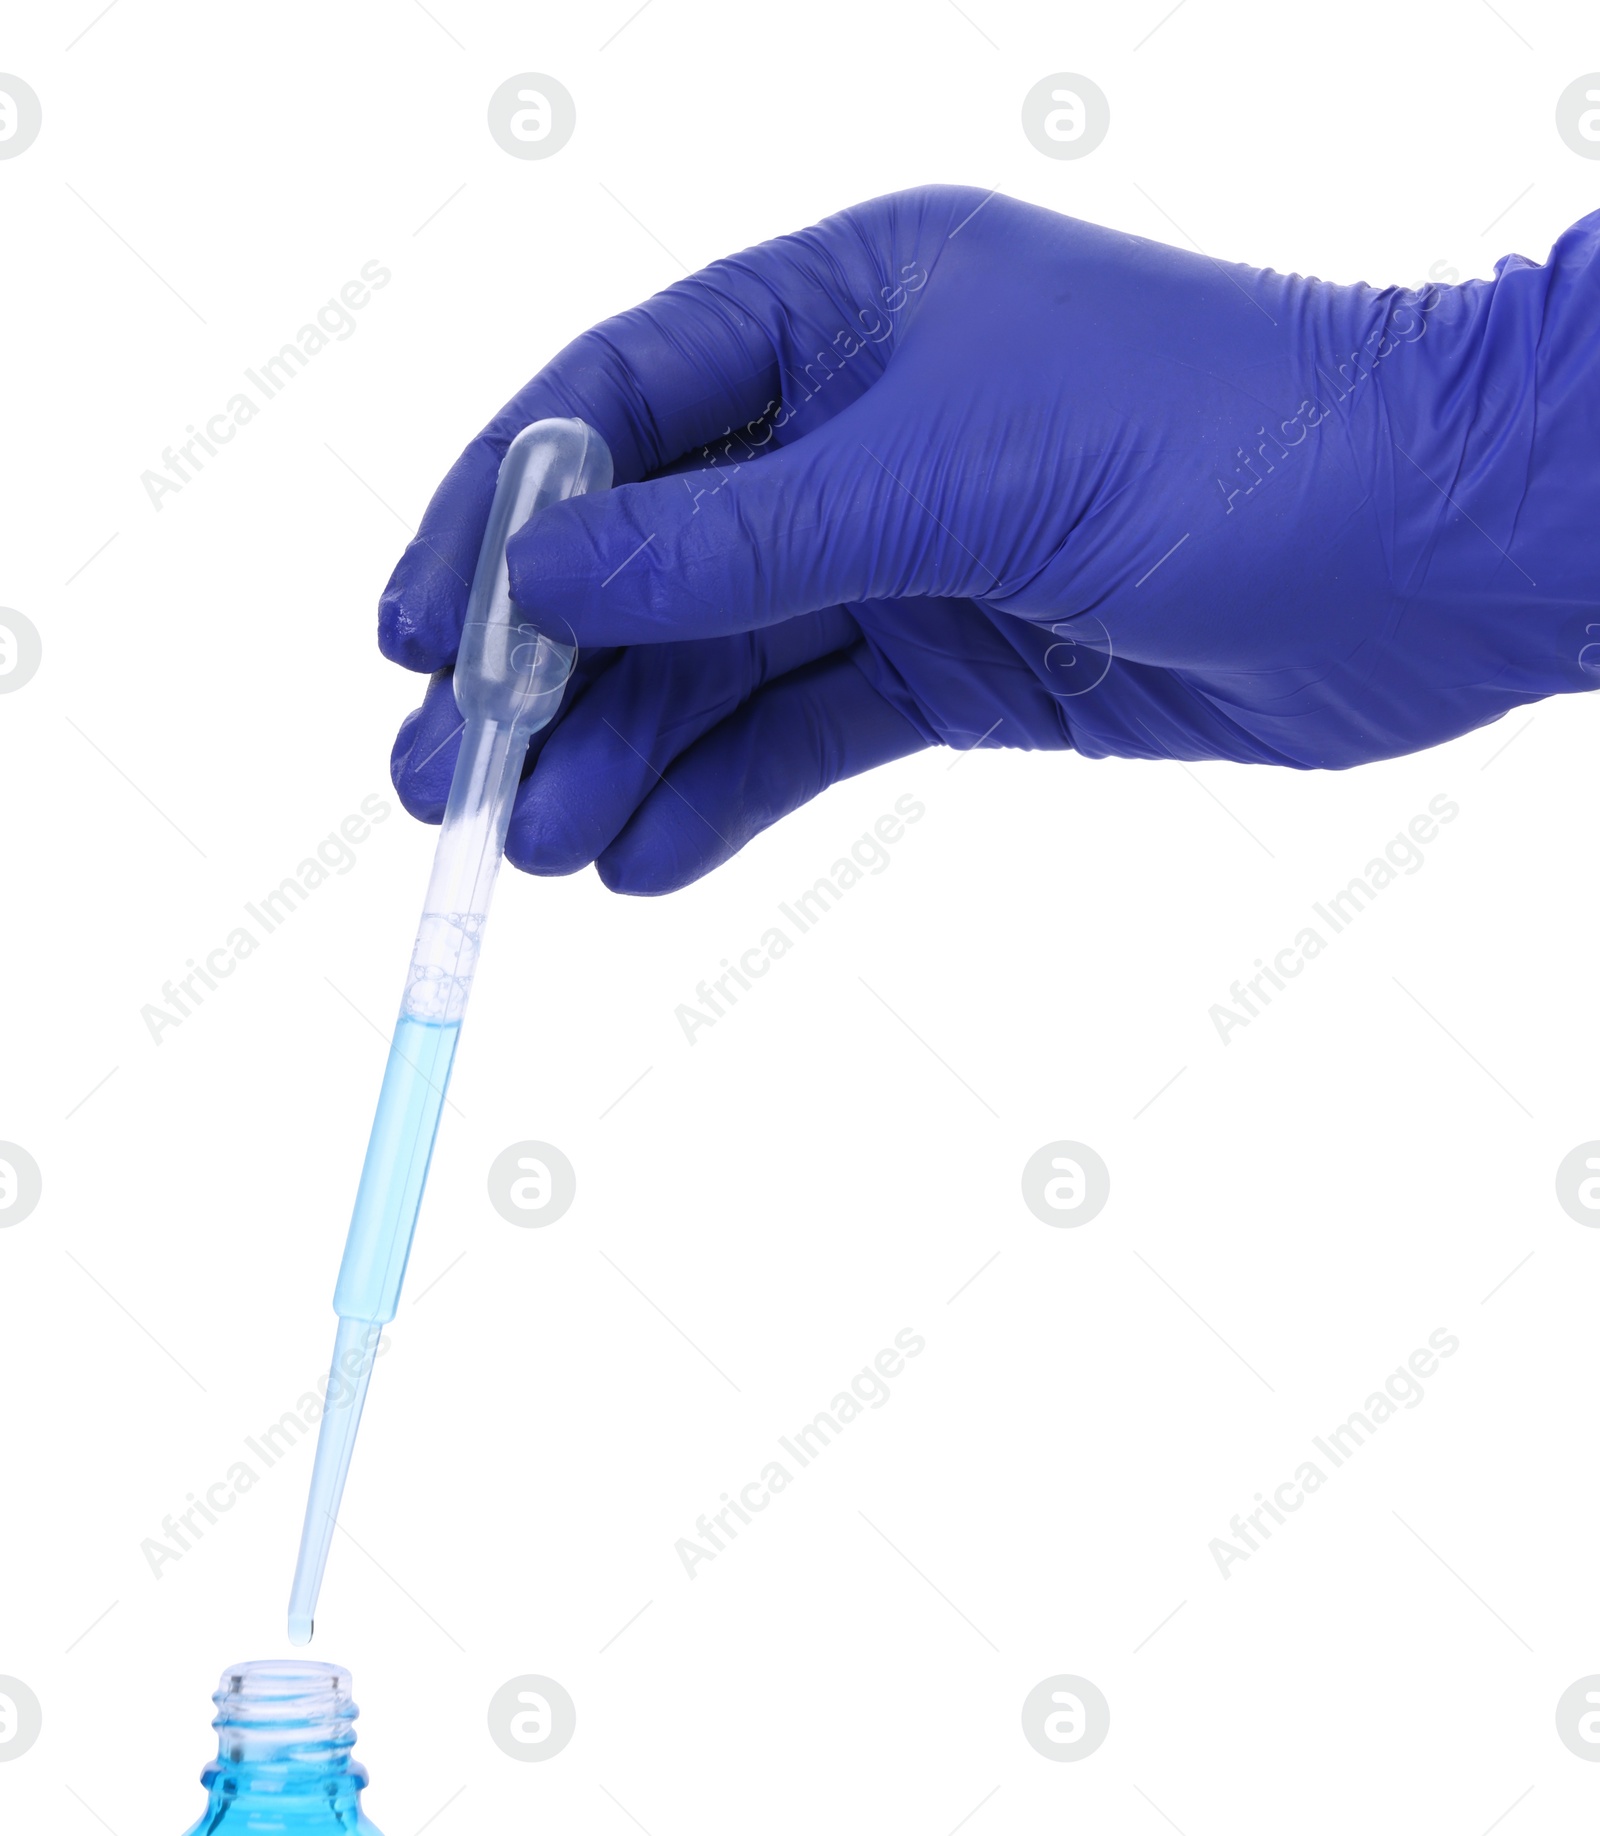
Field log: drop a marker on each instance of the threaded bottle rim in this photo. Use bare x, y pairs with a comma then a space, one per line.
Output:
289, 1712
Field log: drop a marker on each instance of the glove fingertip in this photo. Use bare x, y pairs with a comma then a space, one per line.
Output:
551, 833
637, 879
418, 797
400, 751
556, 559
419, 616
423, 760
653, 856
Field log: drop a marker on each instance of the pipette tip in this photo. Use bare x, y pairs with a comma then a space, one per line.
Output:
301, 1627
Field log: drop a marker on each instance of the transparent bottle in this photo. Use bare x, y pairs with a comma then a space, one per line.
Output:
285, 1728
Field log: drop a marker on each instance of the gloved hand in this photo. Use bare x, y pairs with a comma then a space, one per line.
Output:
948, 468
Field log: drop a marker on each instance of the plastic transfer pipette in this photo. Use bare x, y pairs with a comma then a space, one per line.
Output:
508, 682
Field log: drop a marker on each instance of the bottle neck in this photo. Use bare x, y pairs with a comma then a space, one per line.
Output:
285, 1729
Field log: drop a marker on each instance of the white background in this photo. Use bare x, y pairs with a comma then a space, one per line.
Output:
1288, 1220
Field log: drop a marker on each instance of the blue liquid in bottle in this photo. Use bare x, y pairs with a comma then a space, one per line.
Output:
284, 1733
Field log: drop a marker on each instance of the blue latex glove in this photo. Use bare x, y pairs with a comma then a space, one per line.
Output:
952, 469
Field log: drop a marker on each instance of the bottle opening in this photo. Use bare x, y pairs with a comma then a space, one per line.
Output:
285, 1712
285, 1727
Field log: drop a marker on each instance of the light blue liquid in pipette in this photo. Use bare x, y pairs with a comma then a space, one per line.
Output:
396, 1168
375, 1256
